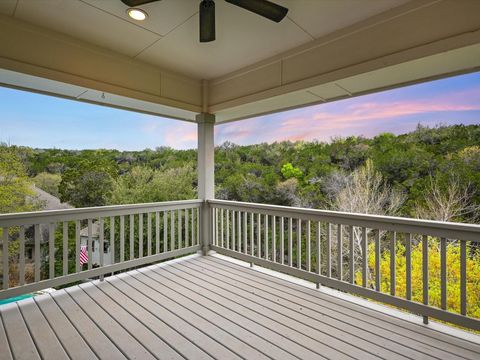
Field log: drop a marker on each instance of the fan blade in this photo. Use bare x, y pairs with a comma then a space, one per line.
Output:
263, 8
134, 3
207, 21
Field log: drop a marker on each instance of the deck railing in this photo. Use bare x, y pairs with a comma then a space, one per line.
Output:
135, 235
332, 249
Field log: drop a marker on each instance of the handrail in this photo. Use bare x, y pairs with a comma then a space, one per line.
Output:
114, 238
32, 217
428, 227
334, 248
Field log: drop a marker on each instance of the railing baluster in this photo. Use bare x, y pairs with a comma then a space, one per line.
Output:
140, 236
365, 257
65, 248
77, 245
157, 232
245, 231
132, 240
463, 277
282, 240
22, 255
329, 250
319, 249
378, 285
221, 229
215, 224
309, 264
274, 238
299, 243
393, 242
351, 258
339, 252
443, 273
149, 234
239, 230
187, 223
172, 230
112, 240
37, 236
227, 215
408, 265
234, 239
266, 237
90, 244
165, 231
290, 242
425, 273
251, 234
51, 250
122, 238
179, 226
100, 246
259, 235
198, 227
5, 258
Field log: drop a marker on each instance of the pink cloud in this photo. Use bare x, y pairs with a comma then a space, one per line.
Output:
336, 118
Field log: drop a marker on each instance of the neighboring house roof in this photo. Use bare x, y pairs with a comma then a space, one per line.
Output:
95, 230
48, 201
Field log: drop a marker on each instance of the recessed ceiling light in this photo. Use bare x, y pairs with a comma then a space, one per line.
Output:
137, 14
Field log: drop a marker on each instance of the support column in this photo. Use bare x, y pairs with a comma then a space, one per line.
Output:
206, 176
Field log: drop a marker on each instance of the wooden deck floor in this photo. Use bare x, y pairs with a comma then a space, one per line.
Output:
206, 307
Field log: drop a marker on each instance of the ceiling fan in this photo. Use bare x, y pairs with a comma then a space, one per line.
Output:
263, 8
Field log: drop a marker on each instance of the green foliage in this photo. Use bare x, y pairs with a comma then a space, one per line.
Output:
89, 182
143, 184
48, 182
284, 173
453, 275
16, 194
288, 171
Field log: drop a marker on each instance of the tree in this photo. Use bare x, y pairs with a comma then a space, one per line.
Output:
446, 200
143, 184
453, 274
89, 182
366, 192
16, 194
48, 182
289, 171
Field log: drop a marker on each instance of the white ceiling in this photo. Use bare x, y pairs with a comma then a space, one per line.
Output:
169, 36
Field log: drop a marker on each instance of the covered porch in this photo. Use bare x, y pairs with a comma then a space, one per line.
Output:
208, 302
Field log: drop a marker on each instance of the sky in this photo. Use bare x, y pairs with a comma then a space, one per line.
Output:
42, 121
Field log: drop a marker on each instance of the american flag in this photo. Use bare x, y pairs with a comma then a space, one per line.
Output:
83, 254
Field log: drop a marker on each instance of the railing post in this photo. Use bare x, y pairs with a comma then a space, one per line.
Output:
206, 179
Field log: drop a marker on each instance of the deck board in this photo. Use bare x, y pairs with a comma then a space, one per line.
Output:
5, 354
339, 335
211, 308
394, 342
20, 342
45, 339
74, 345
426, 338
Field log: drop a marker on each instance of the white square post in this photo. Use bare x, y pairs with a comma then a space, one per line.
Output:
206, 174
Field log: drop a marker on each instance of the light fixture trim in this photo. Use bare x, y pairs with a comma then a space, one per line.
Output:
137, 14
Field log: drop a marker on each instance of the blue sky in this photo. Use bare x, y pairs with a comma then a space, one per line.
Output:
42, 121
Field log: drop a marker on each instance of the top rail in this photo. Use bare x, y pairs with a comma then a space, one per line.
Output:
39, 217
452, 230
